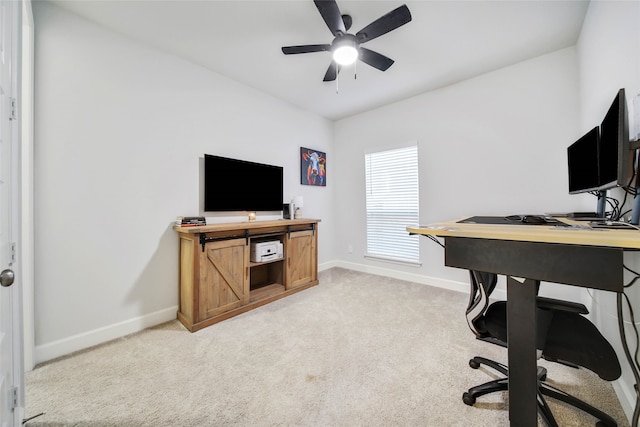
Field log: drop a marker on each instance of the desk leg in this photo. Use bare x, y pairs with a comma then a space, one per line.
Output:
521, 327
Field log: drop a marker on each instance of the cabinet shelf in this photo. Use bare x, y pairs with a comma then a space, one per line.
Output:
256, 264
266, 291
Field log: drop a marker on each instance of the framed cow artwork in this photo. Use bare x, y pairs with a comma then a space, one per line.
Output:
313, 167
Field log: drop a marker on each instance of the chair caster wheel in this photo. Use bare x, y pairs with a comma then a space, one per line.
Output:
604, 424
468, 399
474, 364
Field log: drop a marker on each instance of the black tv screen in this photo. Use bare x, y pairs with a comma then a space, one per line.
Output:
614, 152
583, 163
239, 185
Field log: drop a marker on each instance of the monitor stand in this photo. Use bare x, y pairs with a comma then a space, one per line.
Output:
602, 204
635, 213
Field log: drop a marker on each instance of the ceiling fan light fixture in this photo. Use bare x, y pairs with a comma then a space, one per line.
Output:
344, 50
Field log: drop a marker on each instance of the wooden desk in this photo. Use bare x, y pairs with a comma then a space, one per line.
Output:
590, 258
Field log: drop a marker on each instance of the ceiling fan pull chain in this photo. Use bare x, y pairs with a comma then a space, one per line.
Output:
355, 70
337, 79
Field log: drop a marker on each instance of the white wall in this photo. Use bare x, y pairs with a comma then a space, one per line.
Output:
609, 57
120, 129
491, 145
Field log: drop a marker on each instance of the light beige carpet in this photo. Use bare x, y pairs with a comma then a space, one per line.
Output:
356, 350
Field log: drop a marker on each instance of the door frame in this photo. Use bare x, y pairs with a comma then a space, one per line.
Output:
26, 173
17, 11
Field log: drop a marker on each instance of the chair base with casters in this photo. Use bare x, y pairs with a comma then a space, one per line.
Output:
544, 389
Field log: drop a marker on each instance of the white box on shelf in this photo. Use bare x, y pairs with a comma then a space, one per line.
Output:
266, 251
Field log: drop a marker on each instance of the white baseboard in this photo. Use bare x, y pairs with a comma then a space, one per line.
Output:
88, 339
626, 396
400, 275
327, 265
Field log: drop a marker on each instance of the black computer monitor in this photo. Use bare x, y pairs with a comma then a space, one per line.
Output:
611, 164
582, 158
614, 153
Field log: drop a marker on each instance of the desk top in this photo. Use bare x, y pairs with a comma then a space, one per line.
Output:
578, 234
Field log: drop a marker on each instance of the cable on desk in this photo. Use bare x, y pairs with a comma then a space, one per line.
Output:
616, 205
616, 213
629, 189
615, 208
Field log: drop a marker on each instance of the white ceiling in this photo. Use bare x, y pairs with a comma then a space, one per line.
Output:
446, 42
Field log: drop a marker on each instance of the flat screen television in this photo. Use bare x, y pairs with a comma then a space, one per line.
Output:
582, 157
240, 185
614, 153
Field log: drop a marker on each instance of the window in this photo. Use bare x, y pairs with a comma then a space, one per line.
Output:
392, 204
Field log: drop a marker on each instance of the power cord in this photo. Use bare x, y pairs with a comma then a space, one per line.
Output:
26, 420
634, 362
616, 205
637, 276
629, 189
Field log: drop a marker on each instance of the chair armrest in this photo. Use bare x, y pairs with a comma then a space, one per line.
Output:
561, 305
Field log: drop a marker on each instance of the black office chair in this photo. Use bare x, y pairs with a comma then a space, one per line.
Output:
564, 335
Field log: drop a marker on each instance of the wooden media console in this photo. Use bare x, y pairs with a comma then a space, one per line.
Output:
218, 279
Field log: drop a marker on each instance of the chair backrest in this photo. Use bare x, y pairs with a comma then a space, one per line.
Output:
573, 338
482, 284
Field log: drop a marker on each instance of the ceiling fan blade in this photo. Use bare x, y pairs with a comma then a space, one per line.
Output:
332, 72
392, 20
331, 15
307, 48
375, 59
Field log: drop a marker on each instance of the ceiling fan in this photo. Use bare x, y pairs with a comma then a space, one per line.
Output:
345, 47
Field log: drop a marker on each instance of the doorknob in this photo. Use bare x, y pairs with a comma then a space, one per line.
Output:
7, 277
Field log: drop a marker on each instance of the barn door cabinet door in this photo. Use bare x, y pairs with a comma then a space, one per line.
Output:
224, 277
302, 264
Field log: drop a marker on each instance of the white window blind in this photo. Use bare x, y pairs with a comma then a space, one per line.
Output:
392, 203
